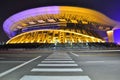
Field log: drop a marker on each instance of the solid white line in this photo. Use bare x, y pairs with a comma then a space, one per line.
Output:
57, 65
56, 70
74, 54
58, 59
98, 51
32, 77
106, 50
14, 68
58, 62
94, 61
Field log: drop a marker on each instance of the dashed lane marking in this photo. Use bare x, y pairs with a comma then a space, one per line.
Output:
56, 70
58, 62
32, 77
58, 59
57, 65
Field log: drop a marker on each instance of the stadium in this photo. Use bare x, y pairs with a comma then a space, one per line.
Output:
59, 24
43, 42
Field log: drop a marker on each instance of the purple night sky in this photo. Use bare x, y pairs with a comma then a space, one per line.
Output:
111, 8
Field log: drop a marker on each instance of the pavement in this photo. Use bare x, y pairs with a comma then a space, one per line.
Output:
60, 65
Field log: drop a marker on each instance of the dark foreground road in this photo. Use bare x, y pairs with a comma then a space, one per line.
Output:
60, 65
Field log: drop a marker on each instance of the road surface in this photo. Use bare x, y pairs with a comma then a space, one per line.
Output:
60, 65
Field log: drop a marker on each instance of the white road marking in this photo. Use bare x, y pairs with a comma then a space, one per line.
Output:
98, 51
56, 70
32, 77
58, 59
58, 62
14, 68
59, 55
94, 61
57, 65
74, 54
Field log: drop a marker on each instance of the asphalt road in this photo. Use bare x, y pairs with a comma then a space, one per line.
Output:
60, 65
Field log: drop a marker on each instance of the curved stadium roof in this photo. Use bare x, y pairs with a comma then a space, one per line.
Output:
68, 12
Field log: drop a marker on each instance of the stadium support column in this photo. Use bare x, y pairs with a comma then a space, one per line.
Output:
110, 36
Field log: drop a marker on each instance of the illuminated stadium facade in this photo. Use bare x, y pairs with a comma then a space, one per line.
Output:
58, 24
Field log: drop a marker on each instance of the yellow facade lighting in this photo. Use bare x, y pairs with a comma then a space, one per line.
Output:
74, 21
57, 23
51, 20
44, 36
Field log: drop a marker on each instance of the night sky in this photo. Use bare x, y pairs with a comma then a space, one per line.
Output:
111, 8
